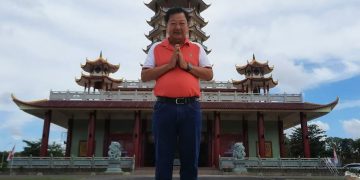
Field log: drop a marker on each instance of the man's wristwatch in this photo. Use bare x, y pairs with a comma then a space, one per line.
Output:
189, 67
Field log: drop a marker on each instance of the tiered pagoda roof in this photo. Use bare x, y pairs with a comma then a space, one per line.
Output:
254, 64
255, 78
197, 4
193, 7
98, 77
91, 64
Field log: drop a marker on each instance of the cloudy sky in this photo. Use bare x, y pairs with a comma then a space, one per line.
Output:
313, 45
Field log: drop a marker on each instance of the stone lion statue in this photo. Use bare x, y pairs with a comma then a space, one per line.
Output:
239, 151
114, 150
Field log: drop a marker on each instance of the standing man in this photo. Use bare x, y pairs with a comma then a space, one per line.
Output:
177, 65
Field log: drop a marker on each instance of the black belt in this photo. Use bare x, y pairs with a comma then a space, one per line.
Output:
184, 100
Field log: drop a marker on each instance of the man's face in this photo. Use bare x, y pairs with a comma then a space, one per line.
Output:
177, 27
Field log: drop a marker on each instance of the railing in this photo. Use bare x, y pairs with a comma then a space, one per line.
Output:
203, 84
330, 165
69, 162
148, 96
217, 94
227, 163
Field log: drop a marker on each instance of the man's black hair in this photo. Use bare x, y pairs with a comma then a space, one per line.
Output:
176, 10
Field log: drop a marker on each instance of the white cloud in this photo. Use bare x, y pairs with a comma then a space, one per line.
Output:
15, 124
322, 125
321, 34
348, 104
351, 127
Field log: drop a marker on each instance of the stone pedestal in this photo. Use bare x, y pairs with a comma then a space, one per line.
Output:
114, 167
239, 167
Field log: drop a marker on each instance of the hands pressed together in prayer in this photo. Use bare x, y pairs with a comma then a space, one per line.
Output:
177, 59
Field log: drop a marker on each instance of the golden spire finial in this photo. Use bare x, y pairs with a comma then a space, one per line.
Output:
253, 56
100, 54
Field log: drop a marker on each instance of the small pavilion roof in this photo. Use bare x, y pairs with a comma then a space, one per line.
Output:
89, 65
103, 78
256, 81
254, 63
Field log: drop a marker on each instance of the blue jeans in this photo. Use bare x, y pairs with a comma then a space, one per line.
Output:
176, 125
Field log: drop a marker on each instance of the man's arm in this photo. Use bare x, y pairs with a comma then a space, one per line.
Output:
148, 74
204, 73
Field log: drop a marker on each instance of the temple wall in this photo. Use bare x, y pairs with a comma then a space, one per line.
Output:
122, 126
252, 129
99, 137
231, 126
271, 135
79, 134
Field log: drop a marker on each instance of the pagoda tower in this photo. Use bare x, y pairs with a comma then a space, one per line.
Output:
255, 78
196, 23
98, 78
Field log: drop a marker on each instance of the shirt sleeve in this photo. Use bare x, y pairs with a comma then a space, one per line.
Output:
203, 59
150, 59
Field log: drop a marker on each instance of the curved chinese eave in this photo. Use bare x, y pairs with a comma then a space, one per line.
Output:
21, 103
60, 107
330, 105
311, 114
224, 106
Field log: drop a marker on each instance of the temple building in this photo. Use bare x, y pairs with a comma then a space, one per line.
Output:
121, 110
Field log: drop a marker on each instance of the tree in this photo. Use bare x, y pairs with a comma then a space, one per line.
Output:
56, 150
348, 150
33, 148
316, 139
356, 148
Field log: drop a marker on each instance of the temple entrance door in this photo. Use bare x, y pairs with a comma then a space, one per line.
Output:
126, 141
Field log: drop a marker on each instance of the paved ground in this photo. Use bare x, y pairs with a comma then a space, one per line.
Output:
147, 177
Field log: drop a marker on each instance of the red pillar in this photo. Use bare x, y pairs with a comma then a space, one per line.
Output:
281, 137
216, 139
91, 135
261, 134
106, 137
45, 134
305, 136
245, 135
69, 137
136, 139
